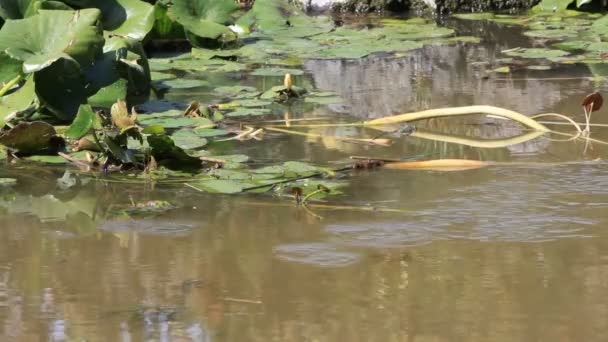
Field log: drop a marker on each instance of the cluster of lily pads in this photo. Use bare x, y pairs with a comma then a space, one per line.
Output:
82, 63
559, 35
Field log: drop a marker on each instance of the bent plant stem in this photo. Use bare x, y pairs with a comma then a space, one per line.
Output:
381, 142
310, 195
9, 85
442, 112
459, 111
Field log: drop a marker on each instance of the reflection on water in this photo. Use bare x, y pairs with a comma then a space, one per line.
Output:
512, 252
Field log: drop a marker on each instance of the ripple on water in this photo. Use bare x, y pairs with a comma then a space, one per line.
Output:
148, 226
318, 254
384, 234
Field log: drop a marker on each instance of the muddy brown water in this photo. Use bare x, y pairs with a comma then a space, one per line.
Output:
506, 253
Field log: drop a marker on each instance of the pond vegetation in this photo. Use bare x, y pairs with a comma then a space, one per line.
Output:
241, 170
79, 88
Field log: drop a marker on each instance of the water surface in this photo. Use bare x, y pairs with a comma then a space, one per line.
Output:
507, 253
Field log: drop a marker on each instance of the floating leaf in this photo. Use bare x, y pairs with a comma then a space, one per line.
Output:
276, 72
188, 140
536, 53
180, 83
249, 112
166, 152
205, 18
209, 132
161, 76
106, 96
219, 186
47, 159
84, 122
29, 137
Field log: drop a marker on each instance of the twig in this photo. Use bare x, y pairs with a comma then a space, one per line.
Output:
213, 160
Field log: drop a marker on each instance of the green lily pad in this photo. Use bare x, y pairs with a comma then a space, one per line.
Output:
551, 34
234, 90
43, 39
161, 76
181, 83
219, 186
250, 103
536, 53
204, 65
107, 96
85, 120
277, 72
188, 140
166, 152
47, 159
9, 68
210, 132
18, 101
572, 45
205, 19
551, 5
126, 18
474, 16
172, 119
249, 112
233, 158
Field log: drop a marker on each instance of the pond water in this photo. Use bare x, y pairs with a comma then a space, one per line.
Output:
512, 252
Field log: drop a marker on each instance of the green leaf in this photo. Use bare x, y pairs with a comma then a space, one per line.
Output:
172, 119
276, 72
43, 39
166, 152
126, 18
17, 9
219, 186
47, 159
210, 132
552, 5
85, 121
9, 68
18, 101
536, 53
188, 140
271, 17
137, 71
154, 130
205, 18
107, 96
60, 87
180, 83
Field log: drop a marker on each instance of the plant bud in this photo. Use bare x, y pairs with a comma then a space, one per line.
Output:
288, 82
